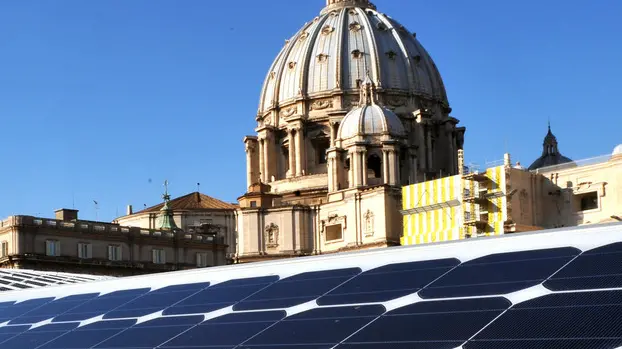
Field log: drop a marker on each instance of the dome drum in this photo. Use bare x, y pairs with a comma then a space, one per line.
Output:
316, 82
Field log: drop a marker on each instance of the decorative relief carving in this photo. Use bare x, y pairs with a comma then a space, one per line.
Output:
289, 111
271, 234
352, 101
322, 104
369, 223
333, 219
291, 65
304, 35
355, 26
356, 54
272, 75
327, 30
396, 101
321, 58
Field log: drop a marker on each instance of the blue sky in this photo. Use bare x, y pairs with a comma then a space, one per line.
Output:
104, 100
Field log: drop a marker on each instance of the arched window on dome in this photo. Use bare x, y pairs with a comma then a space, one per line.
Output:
374, 167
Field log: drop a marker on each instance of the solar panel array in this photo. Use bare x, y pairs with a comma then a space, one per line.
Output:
19, 279
550, 290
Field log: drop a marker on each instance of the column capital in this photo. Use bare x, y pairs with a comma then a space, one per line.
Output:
249, 147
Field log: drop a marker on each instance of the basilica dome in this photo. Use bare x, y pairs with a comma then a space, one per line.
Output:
334, 52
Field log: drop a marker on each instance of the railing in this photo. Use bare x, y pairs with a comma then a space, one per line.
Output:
111, 229
578, 163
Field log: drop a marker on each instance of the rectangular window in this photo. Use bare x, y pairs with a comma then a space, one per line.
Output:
588, 201
114, 253
52, 248
333, 232
201, 259
158, 256
85, 251
4, 252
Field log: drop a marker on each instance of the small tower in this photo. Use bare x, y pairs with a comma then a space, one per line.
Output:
166, 214
550, 153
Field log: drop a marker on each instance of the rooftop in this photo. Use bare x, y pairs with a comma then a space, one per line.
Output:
192, 202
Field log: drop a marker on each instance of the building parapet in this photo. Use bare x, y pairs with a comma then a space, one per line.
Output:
108, 229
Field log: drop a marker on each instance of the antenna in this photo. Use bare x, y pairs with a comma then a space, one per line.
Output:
96, 210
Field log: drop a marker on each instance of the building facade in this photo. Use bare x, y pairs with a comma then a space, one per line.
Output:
352, 109
68, 244
511, 199
192, 213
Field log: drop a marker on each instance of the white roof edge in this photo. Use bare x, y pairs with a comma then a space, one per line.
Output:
464, 250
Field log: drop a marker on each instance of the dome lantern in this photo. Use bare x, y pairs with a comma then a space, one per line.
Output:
334, 4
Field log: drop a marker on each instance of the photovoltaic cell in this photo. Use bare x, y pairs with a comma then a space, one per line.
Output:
297, 289
100, 305
558, 320
88, 336
221, 295
226, 331
500, 273
388, 282
336, 324
432, 323
593, 269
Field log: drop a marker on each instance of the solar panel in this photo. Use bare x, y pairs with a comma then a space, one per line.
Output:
18, 279
554, 289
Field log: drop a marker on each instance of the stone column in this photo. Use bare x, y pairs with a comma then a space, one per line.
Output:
397, 178
385, 167
452, 152
266, 159
355, 170
392, 171
262, 161
333, 132
292, 153
250, 151
428, 134
363, 157
300, 151
413, 170
422, 145
334, 169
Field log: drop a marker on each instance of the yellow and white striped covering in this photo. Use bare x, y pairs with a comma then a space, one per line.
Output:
497, 207
440, 224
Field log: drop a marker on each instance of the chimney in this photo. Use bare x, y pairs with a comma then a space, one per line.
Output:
66, 214
130, 210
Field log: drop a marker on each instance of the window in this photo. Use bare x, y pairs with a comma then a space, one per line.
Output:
202, 259
52, 248
588, 201
158, 256
114, 253
321, 146
85, 251
253, 203
333, 232
374, 166
4, 252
